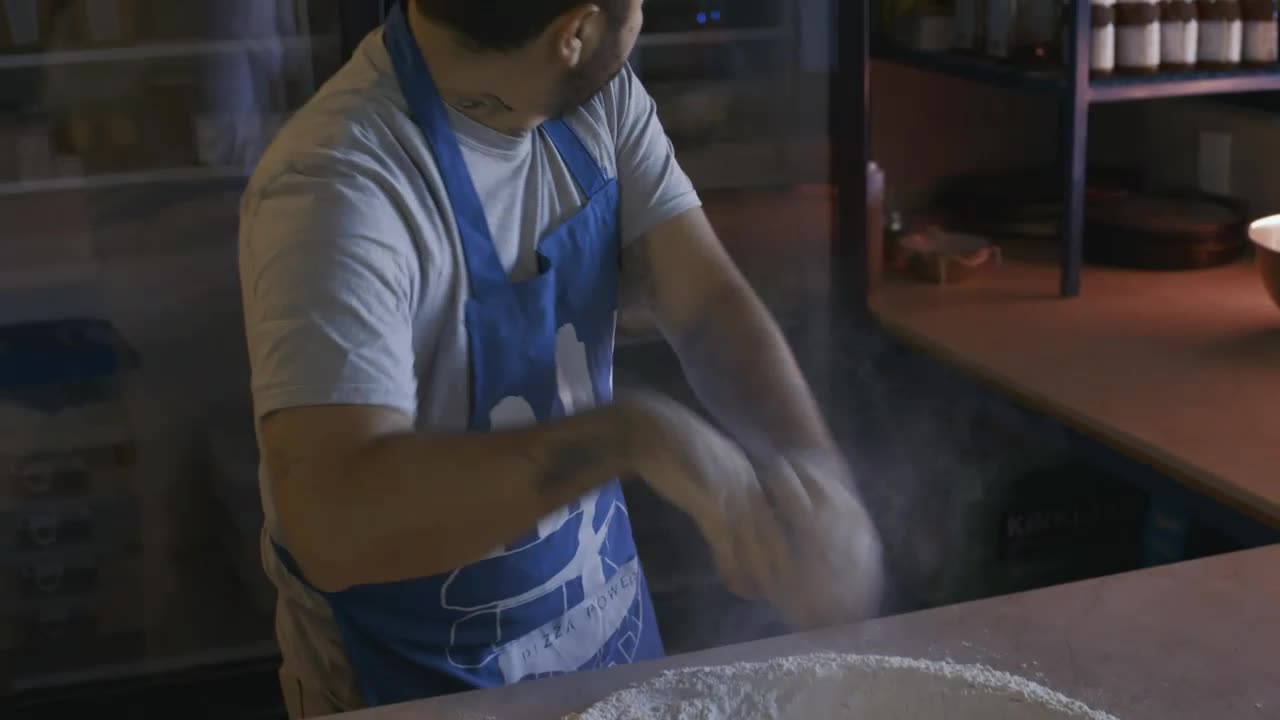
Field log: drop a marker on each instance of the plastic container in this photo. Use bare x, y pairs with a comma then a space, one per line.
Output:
1179, 35
61, 387
1102, 40
1221, 34
1137, 36
1259, 43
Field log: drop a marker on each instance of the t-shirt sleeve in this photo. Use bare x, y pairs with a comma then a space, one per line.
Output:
654, 188
326, 275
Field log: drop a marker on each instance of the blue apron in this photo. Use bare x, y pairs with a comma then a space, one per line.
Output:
570, 595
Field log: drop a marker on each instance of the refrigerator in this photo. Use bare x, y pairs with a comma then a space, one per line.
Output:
129, 512
130, 574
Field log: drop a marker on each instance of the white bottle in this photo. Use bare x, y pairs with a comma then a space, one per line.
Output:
1221, 34
1260, 32
1102, 39
1137, 36
1179, 35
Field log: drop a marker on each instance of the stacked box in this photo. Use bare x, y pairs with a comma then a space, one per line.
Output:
71, 560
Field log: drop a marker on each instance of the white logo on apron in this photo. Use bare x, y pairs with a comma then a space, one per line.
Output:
571, 641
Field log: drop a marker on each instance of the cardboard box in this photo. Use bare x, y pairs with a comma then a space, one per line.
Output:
99, 620
30, 580
109, 523
68, 474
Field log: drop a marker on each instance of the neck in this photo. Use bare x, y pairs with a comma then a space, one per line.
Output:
480, 85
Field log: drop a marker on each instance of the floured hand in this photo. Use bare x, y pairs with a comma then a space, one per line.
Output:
824, 563
706, 475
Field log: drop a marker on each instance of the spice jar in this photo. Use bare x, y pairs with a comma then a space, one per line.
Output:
1137, 36
1102, 40
1260, 31
1221, 33
1179, 37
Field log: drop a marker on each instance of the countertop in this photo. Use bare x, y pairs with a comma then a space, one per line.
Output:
1179, 370
1198, 640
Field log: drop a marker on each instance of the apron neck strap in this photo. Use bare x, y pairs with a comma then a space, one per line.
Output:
584, 168
484, 270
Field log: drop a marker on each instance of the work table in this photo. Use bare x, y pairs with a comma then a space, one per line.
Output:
1189, 641
1178, 370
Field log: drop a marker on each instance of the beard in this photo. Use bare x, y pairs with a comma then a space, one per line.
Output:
586, 81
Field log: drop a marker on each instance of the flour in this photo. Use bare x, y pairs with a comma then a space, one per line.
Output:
822, 686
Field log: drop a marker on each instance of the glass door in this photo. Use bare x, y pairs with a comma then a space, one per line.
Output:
129, 510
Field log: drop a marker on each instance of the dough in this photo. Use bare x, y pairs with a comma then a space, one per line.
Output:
822, 686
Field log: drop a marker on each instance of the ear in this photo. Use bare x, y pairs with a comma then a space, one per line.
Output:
575, 35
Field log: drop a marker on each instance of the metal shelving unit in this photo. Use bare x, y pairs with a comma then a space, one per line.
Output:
710, 37
1076, 92
194, 173
161, 51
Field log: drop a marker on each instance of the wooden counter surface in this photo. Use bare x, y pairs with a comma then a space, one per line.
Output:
1191, 641
1177, 370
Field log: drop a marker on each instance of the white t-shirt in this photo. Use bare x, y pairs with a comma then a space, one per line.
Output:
353, 278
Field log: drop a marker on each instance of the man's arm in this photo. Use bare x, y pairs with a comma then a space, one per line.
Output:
362, 498
815, 527
330, 282
733, 353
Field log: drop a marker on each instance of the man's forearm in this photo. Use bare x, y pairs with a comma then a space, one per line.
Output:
414, 505
741, 368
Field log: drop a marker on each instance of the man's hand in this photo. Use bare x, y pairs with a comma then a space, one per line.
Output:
825, 564
694, 467
790, 530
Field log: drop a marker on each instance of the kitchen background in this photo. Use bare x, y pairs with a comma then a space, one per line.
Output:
129, 509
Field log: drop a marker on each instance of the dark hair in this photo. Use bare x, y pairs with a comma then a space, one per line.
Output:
503, 25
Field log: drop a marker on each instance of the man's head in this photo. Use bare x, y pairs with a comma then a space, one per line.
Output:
575, 47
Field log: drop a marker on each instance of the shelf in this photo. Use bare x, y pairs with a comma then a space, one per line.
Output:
1187, 84
1114, 89
31, 278
114, 180
969, 67
709, 37
159, 51
245, 653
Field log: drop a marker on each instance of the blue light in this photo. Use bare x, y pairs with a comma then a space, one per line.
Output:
715, 15
702, 18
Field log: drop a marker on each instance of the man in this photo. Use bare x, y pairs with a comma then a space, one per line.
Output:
433, 255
